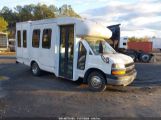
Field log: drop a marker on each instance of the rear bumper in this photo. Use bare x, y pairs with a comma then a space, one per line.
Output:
121, 80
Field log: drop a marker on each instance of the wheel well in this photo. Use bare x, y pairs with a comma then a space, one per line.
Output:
90, 71
32, 62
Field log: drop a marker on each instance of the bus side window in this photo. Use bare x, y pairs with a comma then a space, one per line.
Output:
46, 39
82, 52
19, 38
24, 38
36, 38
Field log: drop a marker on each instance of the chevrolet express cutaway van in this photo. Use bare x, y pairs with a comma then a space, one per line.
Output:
73, 48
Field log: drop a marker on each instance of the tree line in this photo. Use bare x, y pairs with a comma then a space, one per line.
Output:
9, 17
134, 39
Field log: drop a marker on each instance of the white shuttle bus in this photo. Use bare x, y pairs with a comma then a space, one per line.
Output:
73, 48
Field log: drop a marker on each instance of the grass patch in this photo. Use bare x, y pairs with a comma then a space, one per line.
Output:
8, 53
3, 78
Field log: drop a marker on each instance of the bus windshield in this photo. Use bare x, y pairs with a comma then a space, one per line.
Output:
100, 46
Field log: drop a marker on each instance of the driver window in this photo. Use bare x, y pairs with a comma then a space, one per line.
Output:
82, 52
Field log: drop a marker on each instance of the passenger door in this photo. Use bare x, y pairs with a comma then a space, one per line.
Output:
66, 51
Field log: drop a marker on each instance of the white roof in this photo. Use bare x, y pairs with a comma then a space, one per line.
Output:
82, 27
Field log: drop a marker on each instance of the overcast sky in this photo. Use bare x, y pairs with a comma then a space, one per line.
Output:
137, 17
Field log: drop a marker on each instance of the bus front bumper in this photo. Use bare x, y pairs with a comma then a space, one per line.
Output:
121, 80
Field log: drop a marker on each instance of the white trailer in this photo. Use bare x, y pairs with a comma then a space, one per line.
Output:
3, 41
73, 48
156, 43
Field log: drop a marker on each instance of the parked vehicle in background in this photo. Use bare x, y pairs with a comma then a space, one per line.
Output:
156, 43
120, 44
3, 41
12, 45
73, 48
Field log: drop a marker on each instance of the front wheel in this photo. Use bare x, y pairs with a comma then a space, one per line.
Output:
96, 82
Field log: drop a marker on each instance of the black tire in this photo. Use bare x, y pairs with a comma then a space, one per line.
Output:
145, 58
36, 71
93, 79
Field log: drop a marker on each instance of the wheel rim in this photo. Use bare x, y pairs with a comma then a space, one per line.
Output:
34, 68
96, 82
145, 58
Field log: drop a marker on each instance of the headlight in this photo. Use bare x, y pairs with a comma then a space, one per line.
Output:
118, 66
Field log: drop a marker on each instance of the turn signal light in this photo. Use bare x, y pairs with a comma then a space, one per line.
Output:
118, 72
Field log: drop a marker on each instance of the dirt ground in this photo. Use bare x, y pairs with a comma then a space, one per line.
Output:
23, 95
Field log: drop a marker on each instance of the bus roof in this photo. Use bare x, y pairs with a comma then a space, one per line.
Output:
82, 27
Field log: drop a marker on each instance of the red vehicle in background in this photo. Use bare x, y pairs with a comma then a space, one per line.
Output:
139, 51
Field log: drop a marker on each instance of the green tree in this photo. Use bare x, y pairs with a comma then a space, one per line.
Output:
11, 18
3, 24
134, 39
7, 14
33, 12
43, 12
66, 10
25, 13
54, 9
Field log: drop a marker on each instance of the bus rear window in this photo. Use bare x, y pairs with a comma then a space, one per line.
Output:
19, 38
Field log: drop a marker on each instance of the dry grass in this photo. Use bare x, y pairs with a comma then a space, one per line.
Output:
3, 78
8, 53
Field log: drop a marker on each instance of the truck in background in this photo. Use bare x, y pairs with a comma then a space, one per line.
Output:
156, 43
12, 45
120, 44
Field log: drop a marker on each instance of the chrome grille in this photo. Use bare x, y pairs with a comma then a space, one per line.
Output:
129, 67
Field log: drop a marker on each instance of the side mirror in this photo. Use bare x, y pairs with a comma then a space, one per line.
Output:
90, 53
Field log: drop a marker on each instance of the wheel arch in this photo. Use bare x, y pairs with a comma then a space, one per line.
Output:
90, 70
32, 61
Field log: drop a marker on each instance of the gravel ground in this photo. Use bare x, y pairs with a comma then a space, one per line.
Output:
23, 95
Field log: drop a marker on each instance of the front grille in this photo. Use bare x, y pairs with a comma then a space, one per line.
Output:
129, 67
129, 64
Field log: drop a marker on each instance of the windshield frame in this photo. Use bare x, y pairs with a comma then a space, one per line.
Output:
88, 39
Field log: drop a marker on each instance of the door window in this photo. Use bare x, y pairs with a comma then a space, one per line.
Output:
82, 52
66, 51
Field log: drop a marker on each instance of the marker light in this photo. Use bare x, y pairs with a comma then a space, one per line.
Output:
118, 72
118, 69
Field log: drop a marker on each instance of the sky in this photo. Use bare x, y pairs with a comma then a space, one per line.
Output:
138, 18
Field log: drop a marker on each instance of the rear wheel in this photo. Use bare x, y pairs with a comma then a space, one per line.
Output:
35, 69
96, 81
145, 58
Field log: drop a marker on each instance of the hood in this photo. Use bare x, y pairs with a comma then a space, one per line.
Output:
119, 58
